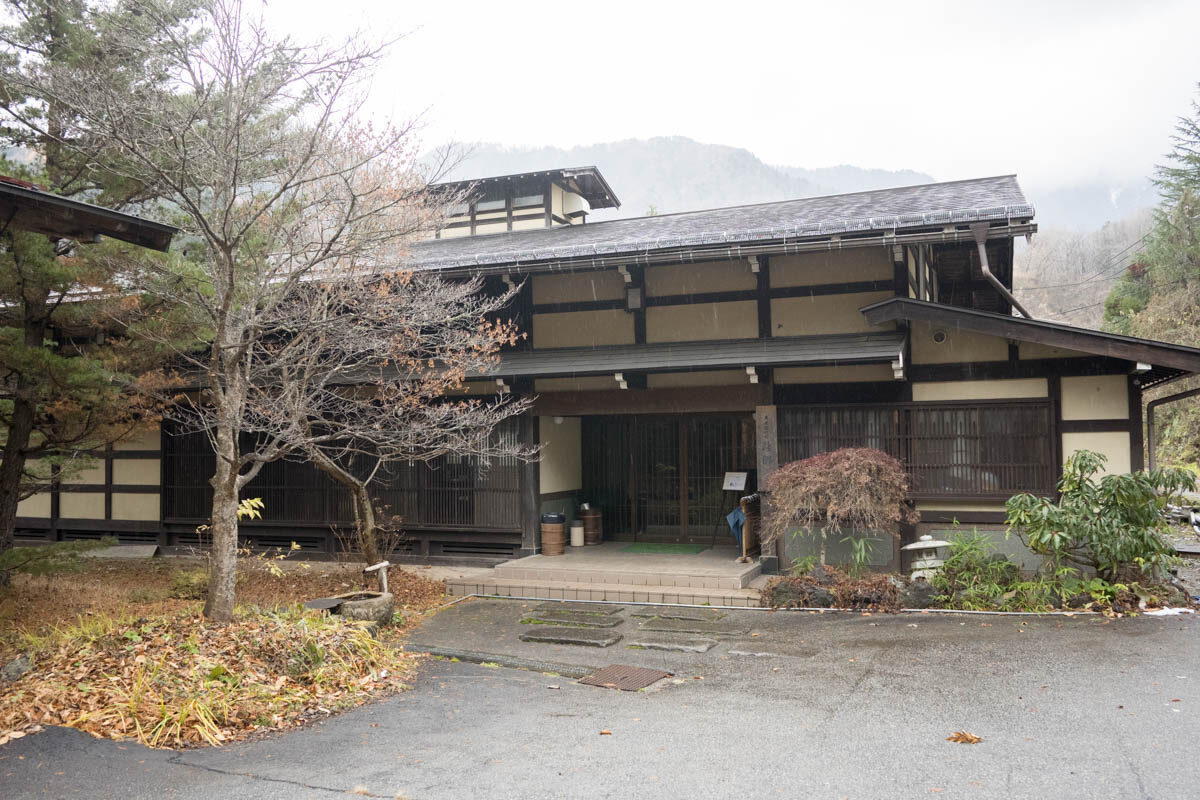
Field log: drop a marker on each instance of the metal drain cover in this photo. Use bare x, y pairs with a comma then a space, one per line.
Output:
627, 679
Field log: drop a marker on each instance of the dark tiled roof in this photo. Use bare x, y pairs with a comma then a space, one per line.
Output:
667, 356
25, 205
980, 199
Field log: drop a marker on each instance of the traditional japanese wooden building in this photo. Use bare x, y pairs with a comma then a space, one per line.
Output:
666, 351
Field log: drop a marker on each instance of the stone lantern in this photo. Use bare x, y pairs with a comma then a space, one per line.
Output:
925, 560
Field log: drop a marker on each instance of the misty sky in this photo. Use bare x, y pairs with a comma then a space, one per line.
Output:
1059, 92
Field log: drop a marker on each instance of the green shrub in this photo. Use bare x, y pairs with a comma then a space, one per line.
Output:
191, 584
48, 559
1113, 525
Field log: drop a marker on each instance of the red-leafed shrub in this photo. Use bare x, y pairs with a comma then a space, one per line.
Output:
856, 488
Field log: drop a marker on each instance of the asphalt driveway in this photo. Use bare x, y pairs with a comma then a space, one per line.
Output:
832, 706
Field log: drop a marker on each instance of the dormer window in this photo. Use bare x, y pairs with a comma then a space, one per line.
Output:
491, 198
529, 193
522, 202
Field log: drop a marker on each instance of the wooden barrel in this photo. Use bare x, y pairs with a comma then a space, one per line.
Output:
554, 538
593, 528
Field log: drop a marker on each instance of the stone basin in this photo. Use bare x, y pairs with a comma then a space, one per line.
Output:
374, 607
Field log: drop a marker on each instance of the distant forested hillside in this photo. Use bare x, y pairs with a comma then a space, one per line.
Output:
1065, 274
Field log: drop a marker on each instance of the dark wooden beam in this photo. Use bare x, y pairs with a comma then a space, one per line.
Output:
1095, 426
732, 296
763, 296
1032, 368
650, 401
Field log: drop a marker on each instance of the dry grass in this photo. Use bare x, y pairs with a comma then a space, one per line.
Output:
117, 588
115, 655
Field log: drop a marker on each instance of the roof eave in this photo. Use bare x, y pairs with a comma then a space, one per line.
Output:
1160, 354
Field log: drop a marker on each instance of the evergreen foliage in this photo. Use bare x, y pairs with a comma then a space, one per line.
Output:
50, 559
1113, 525
1158, 297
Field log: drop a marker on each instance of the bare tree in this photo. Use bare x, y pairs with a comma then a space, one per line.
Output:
259, 145
360, 378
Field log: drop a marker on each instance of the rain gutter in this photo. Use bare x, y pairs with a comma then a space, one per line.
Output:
980, 231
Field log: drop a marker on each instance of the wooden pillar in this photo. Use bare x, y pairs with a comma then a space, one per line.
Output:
766, 428
1054, 389
531, 490
1137, 444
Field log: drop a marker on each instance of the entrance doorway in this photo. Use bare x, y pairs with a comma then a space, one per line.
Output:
658, 478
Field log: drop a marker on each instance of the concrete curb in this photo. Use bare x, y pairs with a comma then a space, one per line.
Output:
816, 610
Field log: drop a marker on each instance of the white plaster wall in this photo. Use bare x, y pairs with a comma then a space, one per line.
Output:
1008, 389
561, 464
1095, 397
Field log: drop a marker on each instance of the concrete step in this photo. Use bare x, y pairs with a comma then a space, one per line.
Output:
737, 576
615, 592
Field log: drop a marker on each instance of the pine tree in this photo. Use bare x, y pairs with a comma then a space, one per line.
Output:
67, 367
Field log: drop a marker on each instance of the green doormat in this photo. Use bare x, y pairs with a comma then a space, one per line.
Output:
665, 547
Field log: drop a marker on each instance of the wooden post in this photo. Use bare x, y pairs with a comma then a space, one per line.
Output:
766, 428
530, 495
1137, 444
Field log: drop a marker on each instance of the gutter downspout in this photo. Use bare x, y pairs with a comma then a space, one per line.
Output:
980, 231
1153, 404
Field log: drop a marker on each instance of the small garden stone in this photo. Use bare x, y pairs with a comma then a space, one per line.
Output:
16, 668
918, 594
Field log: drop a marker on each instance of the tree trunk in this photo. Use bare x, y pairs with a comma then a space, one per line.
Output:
366, 531
222, 579
12, 468
20, 429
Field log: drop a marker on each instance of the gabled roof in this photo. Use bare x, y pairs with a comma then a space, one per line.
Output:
26, 206
883, 210
1173, 357
588, 180
676, 356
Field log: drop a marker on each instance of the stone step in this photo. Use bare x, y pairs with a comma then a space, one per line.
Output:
613, 592
738, 577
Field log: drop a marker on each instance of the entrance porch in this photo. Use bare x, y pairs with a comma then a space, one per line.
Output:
611, 571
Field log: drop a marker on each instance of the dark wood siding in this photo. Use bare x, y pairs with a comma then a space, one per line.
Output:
450, 492
979, 450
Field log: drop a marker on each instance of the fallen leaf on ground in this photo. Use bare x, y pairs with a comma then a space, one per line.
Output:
962, 737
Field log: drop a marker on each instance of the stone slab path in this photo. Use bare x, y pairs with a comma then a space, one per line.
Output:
573, 618
671, 642
679, 612
588, 637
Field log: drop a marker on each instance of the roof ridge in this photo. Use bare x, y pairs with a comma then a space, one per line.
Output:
810, 197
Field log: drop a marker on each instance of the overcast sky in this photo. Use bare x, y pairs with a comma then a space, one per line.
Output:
1059, 92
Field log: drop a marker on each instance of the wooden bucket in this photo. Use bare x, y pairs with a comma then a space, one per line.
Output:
593, 528
554, 538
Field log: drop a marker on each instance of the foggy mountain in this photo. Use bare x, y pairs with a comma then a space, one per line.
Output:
672, 174
1085, 229
675, 173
